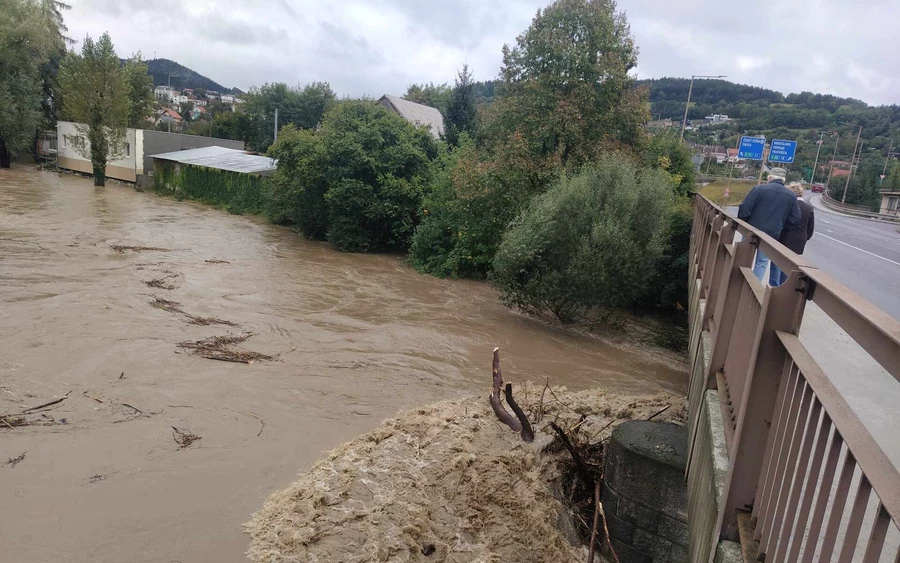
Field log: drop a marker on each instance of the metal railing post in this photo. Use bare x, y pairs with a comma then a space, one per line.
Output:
782, 311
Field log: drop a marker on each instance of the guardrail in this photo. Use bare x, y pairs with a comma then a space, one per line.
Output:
858, 210
776, 479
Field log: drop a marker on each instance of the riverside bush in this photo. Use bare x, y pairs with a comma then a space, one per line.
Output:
237, 192
592, 240
357, 181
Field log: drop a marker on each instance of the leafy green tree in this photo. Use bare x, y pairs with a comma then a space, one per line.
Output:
566, 86
461, 111
30, 37
140, 96
666, 152
356, 181
95, 95
592, 240
434, 95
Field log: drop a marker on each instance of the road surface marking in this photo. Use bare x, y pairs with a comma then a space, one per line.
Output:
861, 250
826, 222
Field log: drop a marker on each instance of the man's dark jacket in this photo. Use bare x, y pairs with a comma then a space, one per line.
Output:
795, 236
769, 207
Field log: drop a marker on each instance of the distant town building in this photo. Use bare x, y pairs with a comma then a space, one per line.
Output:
163, 93
718, 118
417, 114
227, 99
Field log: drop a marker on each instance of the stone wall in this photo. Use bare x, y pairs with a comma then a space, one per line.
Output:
644, 494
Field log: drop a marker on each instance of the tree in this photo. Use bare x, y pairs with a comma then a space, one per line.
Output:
592, 240
666, 152
566, 86
302, 107
434, 95
30, 36
461, 110
141, 96
357, 181
95, 95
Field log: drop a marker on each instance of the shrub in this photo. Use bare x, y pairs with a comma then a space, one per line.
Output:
357, 181
237, 192
592, 240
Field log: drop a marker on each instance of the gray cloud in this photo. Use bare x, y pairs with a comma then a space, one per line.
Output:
369, 47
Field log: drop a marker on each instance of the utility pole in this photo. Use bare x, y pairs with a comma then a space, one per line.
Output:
855, 147
833, 156
688, 106
886, 159
812, 178
276, 125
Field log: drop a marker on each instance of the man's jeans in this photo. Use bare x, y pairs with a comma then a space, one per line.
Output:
762, 262
776, 276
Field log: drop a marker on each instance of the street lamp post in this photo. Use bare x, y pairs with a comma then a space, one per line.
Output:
170, 99
690, 91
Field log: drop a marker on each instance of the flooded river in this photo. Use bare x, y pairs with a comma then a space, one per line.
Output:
355, 338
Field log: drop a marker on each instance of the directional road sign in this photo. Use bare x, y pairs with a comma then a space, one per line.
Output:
751, 148
782, 151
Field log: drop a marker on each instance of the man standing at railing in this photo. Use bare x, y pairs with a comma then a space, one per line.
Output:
769, 207
795, 236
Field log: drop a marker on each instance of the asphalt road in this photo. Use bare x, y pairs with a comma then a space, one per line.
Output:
862, 254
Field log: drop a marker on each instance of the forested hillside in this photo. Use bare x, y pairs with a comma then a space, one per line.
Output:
182, 76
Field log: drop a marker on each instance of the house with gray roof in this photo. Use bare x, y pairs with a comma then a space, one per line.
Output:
417, 114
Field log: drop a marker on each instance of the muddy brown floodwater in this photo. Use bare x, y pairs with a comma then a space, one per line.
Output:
355, 338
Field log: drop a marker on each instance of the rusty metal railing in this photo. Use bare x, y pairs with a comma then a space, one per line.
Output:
797, 451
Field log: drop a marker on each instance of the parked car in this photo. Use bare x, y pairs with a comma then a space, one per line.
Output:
818, 188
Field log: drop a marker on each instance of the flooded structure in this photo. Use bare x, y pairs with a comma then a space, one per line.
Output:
135, 159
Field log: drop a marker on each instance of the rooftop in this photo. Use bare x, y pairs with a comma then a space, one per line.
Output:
222, 158
417, 114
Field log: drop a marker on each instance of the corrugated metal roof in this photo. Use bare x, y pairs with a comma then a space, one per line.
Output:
221, 158
417, 114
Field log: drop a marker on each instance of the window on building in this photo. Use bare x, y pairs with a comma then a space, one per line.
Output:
127, 149
65, 141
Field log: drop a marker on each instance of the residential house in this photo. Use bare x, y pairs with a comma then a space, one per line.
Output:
417, 114
227, 99
197, 112
179, 99
189, 92
732, 155
199, 101
135, 159
697, 123
168, 115
718, 118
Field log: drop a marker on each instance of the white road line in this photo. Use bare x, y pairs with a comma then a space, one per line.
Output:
826, 222
860, 249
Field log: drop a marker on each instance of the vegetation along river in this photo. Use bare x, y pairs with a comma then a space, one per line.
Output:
157, 453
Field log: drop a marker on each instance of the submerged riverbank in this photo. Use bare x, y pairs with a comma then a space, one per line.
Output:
353, 340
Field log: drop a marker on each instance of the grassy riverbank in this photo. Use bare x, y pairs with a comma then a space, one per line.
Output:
738, 190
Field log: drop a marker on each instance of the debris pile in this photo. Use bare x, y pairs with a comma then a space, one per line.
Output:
449, 483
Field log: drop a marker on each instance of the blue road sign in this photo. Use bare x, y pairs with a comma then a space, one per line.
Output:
782, 151
751, 148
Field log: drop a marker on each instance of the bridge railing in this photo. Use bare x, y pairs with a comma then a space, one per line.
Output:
786, 425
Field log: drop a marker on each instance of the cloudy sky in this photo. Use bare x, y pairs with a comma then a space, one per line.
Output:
373, 47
